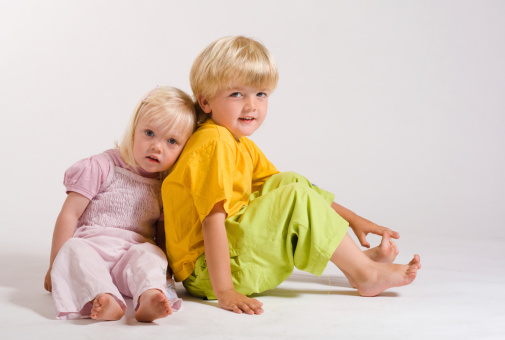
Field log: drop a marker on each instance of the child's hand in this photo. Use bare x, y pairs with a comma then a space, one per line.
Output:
47, 281
238, 303
363, 227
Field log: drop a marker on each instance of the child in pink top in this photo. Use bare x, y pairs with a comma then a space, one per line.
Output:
104, 241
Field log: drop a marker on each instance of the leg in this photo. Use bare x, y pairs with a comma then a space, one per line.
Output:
385, 252
285, 225
286, 178
141, 274
79, 275
369, 277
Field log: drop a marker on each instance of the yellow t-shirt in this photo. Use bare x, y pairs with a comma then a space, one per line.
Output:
213, 167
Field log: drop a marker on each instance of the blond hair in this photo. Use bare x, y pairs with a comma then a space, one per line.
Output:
231, 60
167, 107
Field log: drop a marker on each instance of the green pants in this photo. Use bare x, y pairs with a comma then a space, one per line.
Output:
289, 222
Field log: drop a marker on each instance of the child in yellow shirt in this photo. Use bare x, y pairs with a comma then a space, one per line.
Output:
235, 225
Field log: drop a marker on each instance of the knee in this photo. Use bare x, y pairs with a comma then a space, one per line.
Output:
147, 250
73, 245
296, 190
73, 248
289, 177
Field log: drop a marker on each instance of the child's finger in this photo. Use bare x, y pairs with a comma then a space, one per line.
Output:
393, 233
256, 306
363, 241
235, 309
258, 311
247, 309
258, 302
252, 306
383, 230
254, 310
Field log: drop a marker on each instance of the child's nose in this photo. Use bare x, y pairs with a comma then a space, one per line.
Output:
155, 146
250, 105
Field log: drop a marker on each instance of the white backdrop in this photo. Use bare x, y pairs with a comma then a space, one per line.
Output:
397, 107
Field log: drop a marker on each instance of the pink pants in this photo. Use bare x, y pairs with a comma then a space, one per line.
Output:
114, 261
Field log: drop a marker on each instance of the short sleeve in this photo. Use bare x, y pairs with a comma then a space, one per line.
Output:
208, 177
263, 169
87, 175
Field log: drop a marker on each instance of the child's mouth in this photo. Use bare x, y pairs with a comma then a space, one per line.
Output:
153, 159
247, 119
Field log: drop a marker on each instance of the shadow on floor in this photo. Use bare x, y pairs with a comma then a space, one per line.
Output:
325, 280
24, 274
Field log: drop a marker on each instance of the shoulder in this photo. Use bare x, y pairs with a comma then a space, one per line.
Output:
210, 131
208, 138
98, 162
250, 146
115, 156
87, 175
209, 147
248, 143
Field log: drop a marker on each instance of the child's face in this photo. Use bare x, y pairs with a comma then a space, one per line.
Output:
241, 109
154, 151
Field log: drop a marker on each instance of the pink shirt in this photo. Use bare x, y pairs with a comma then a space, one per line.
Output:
87, 175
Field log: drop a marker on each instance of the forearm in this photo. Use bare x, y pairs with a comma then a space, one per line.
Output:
72, 209
217, 253
361, 226
346, 214
63, 230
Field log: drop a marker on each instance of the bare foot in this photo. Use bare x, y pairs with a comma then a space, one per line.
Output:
350, 279
387, 275
153, 305
386, 252
105, 307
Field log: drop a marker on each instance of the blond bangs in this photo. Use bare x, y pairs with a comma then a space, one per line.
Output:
177, 120
166, 107
232, 60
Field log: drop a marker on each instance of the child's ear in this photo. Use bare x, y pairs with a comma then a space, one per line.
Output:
204, 103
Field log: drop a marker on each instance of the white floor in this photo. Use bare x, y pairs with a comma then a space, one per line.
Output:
395, 106
459, 294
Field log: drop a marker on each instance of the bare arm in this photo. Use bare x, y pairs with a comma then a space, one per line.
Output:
72, 209
217, 255
361, 226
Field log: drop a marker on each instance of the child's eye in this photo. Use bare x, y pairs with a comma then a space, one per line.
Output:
149, 133
235, 94
262, 94
172, 141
